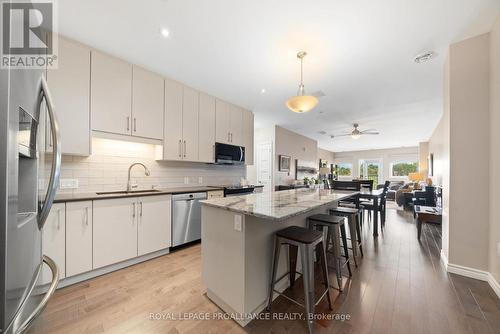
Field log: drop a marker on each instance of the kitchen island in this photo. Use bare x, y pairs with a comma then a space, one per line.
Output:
237, 244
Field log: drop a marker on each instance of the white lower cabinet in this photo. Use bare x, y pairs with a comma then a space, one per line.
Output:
115, 231
78, 237
153, 231
53, 241
86, 235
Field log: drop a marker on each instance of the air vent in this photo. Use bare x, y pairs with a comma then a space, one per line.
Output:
424, 57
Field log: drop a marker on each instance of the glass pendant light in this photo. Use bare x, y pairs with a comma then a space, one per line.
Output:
302, 102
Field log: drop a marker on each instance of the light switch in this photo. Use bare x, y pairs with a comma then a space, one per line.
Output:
498, 249
237, 223
186, 180
200, 180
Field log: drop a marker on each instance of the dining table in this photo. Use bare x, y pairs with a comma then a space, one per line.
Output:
375, 196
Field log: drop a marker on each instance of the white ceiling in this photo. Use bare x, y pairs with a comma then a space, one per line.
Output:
359, 54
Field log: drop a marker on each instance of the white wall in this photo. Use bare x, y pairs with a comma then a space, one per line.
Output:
297, 147
106, 169
469, 152
387, 156
423, 155
494, 257
323, 154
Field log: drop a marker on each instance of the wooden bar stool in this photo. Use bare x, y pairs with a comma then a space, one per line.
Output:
352, 215
306, 241
335, 230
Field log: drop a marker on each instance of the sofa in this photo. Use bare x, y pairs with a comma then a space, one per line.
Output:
394, 186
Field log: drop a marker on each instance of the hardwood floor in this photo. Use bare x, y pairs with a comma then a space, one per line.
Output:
400, 286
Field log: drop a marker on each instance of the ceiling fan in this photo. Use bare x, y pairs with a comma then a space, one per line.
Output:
356, 133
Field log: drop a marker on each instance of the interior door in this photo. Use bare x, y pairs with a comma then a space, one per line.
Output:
265, 165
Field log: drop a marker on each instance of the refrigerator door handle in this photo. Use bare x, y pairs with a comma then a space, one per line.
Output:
40, 307
56, 154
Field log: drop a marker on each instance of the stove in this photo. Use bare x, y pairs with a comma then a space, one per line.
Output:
238, 190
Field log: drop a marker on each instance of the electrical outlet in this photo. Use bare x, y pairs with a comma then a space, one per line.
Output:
498, 249
237, 223
200, 179
68, 184
186, 180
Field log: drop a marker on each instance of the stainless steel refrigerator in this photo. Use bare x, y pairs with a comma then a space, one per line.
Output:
26, 194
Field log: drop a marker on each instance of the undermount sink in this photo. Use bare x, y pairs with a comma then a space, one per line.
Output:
124, 192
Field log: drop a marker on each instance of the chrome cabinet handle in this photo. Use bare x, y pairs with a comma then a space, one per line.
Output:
141, 209
128, 123
133, 210
55, 171
40, 307
87, 215
180, 148
135, 124
185, 150
228, 137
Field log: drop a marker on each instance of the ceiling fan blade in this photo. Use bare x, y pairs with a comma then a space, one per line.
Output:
342, 135
318, 93
370, 130
370, 133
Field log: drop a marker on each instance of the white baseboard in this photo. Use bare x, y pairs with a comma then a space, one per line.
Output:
494, 284
444, 260
471, 273
468, 272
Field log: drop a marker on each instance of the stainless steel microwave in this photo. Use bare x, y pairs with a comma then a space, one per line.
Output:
229, 154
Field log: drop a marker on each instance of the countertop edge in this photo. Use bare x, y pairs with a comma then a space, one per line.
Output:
274, 219
95, 197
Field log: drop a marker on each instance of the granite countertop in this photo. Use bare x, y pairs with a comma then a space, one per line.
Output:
61, 198
279, 205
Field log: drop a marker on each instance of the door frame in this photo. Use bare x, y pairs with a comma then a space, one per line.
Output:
258, 162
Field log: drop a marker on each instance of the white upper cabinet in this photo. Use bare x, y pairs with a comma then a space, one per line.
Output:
172, 142
78, 237
206, 127
115, 231
53, 241
236, 125
70, 89
111, 94
154, 223
147, 104
222, 122
190, 109
248, 130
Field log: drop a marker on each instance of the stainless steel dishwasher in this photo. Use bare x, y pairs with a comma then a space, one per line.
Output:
186, 217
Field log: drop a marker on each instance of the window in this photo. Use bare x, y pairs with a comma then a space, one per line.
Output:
344, 169
370, 170
403, 168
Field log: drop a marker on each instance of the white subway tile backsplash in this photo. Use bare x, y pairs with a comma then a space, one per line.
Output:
106, 169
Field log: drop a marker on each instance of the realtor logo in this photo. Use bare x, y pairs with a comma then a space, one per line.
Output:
27, 35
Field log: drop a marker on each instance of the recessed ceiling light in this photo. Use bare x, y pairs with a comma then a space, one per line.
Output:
424, 57
164, 32
263, 91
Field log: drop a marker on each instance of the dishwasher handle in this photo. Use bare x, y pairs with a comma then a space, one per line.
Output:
189, 196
